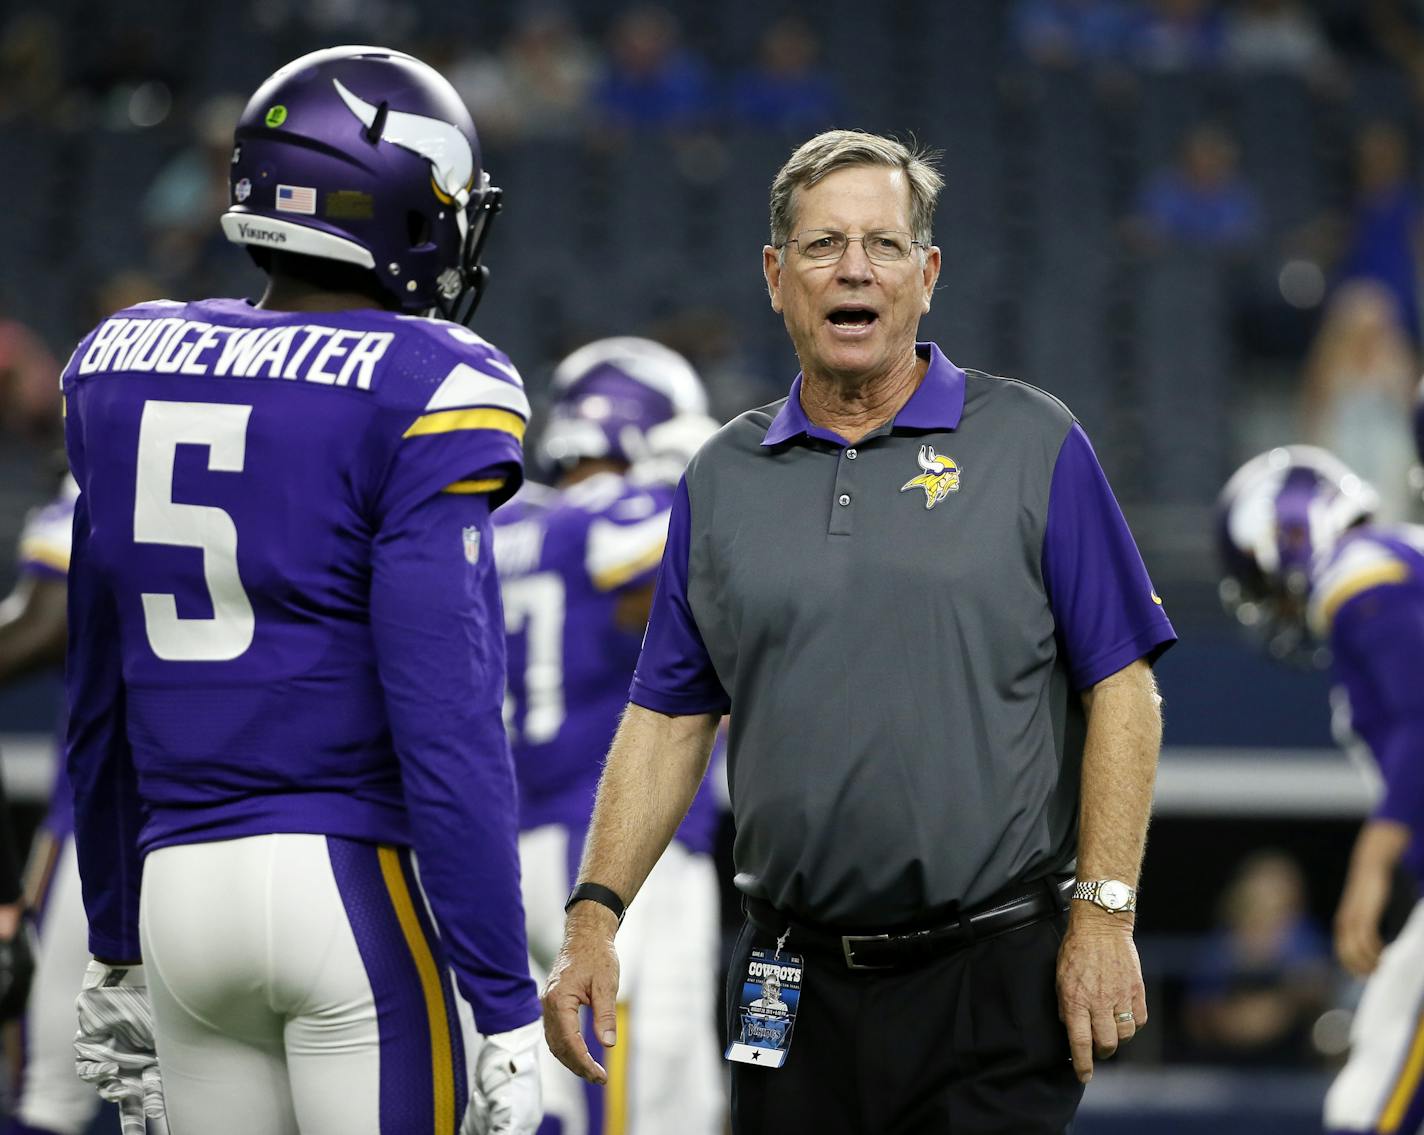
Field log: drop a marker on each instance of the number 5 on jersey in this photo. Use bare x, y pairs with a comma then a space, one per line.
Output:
159, 519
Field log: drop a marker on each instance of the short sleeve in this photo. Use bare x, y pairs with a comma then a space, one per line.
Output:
675, 674
1105, 609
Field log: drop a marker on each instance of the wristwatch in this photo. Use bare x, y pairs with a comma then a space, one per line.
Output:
1111, 894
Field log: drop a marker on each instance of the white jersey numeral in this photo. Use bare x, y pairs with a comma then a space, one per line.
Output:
535, 604
159, 519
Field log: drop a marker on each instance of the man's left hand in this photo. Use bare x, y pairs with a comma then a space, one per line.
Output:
1099, 981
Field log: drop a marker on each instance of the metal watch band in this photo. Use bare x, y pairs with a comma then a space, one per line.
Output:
1088, 890
597, 892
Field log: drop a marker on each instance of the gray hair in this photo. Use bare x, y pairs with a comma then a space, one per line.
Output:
838, 149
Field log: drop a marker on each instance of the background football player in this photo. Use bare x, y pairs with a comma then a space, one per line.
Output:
1306, 562
286, 656
577, 564
50, 1099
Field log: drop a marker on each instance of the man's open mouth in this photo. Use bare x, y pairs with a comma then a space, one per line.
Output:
852, 317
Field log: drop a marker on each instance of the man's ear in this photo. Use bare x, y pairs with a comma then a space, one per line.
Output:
771, 267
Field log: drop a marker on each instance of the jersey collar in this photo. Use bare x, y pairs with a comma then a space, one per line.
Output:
936, 404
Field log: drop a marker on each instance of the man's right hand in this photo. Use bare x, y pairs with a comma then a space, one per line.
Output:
585, 973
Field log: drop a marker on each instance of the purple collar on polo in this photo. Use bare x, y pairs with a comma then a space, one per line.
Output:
937, 404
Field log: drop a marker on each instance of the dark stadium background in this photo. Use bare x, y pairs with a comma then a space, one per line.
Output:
1180, 357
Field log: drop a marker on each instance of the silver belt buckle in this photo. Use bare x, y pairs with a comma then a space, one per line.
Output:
848, 948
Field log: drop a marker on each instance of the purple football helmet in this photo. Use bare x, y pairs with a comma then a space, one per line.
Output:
366, 156
1277, 513
609, 396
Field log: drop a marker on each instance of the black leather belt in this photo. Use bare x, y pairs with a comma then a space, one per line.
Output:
1032, 903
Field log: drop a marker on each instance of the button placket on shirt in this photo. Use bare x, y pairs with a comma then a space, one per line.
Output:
843, 495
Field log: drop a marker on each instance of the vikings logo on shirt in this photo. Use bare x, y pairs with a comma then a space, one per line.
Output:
939, 479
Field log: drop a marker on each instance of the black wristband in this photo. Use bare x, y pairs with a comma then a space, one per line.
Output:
597, 892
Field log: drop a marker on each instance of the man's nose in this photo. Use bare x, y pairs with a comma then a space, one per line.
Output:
854, 264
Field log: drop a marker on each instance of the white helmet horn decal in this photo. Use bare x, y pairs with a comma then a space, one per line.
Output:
446, 149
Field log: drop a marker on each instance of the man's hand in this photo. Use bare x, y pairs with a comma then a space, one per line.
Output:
585, 973
1099, 977
17, 961
507, 1099
114, 1047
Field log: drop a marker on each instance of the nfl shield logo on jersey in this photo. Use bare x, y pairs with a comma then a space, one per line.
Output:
472, 544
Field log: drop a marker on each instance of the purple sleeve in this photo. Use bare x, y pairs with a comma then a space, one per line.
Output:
439, 634
1105, 609
1377, 640
675, 674
107, 814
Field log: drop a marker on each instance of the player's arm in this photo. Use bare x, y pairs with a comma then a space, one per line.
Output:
32, 626
438, 628
107, 816
657, 761
1377, 638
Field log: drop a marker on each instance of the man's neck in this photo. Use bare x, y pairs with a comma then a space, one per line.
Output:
286, 294
854, 408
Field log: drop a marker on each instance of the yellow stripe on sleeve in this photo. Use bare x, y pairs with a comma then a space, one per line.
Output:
615, 1095
488, 485
441, 1060
447, 421
1363, 580
1406, 1085
610, 578
35, 551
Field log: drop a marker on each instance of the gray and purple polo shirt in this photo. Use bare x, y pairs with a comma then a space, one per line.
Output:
900, 629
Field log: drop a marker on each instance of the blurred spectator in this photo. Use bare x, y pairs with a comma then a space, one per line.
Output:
1070, 33
29, 384
787, 91
183, 203
1178, 35
1264, 974
653, 82
537, 86
1201, 201
31, 67
1279, 36
1383, 242
1358, 390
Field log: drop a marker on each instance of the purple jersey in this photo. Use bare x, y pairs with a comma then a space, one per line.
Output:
565, 561
283, 613
44, 553
1368, 597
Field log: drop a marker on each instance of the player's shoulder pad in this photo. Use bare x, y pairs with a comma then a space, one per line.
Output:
443, 367
627, 528
1356, 565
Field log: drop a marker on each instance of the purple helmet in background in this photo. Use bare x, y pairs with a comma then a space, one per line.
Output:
609, 396
1276, 514
1416, 475
366, 156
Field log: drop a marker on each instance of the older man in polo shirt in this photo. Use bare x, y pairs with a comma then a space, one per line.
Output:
912, 588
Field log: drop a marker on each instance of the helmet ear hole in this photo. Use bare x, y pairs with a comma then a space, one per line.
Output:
417, 228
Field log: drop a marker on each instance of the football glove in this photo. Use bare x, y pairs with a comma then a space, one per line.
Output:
507, 1100
114, 1047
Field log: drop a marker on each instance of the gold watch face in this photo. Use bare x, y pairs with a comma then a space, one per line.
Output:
1114, 894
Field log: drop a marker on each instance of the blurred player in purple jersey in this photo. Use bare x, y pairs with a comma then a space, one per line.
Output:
1302, 552
577, 565
286, 651
49, 1099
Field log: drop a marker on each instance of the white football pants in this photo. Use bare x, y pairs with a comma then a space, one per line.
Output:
298, 986
664, 1075
1381, 1087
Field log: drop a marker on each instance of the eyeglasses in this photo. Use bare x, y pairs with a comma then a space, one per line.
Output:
884, 246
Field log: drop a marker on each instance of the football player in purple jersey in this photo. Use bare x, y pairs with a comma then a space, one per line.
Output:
49, 1098
577, 565
1304, 558
286, 651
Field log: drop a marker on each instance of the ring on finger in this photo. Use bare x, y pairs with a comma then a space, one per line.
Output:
1125, 1018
